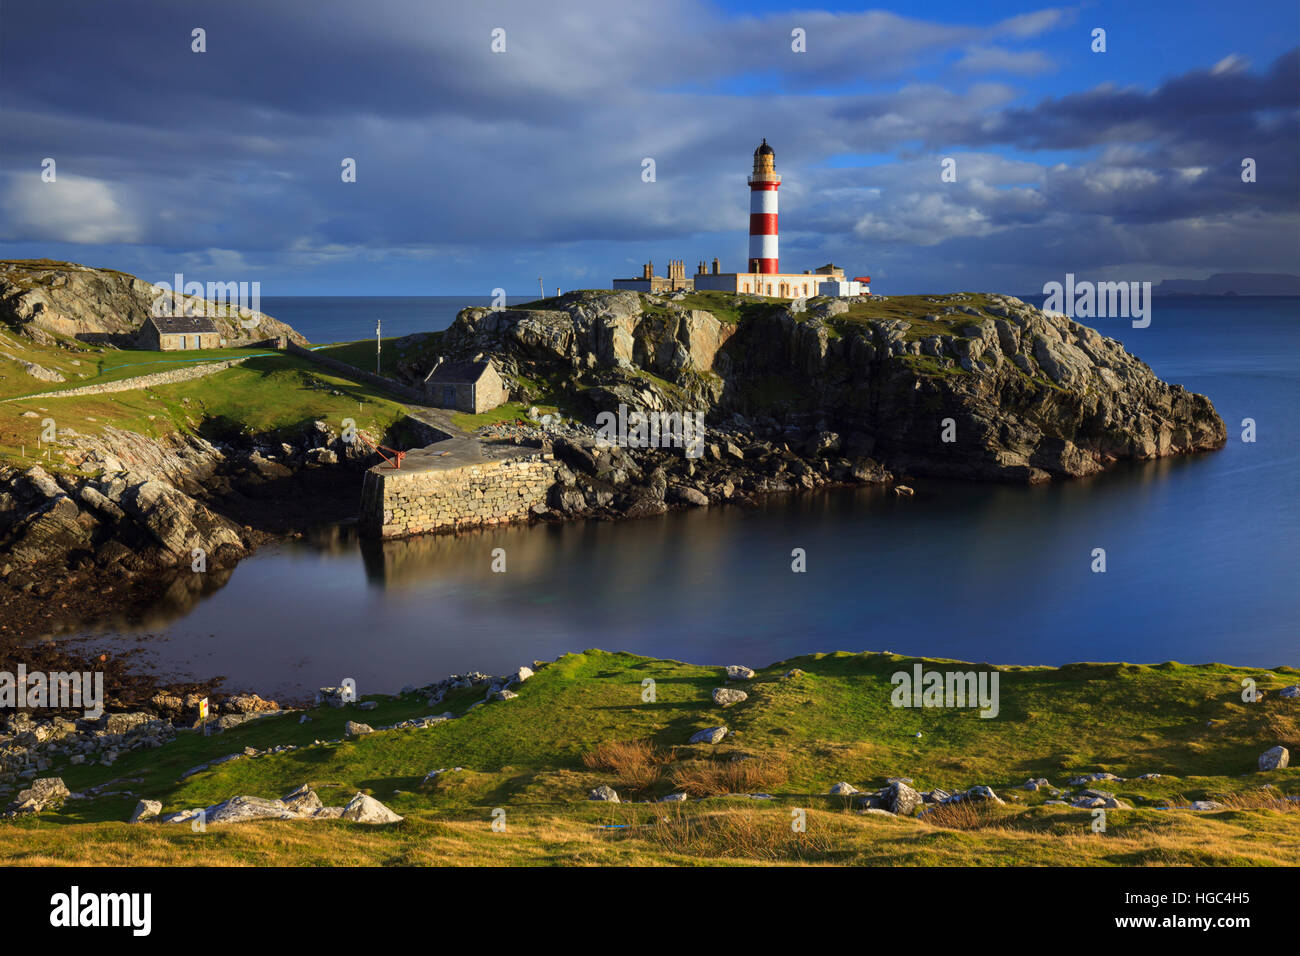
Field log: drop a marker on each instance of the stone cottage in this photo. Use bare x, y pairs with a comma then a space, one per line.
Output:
473, 387
168, 333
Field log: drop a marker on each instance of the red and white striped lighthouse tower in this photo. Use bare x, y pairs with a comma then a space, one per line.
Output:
763, 184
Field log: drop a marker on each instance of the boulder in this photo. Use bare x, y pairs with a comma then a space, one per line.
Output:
334, 696
686, 495
900, 799
167, 703
739, 672
248, 704
268, 469
125, 723
354, 729
710, 735
243, 808
146, 810
302, 801
1291, 692
843, 789
604, 792
726, 696
364, 809
982, 793
1275, 758
42, 794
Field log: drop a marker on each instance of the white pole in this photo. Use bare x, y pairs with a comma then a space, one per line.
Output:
378, 347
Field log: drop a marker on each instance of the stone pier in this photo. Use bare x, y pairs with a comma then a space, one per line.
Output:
450, 486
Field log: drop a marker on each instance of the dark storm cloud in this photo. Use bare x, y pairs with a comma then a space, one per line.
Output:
233, 156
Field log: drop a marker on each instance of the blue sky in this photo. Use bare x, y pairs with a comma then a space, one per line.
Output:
478, 170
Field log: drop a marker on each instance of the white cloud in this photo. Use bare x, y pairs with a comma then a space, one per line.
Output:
1232, 63
992, 59
74, 209
1035, 23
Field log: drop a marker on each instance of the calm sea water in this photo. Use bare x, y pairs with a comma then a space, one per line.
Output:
1201, 556
349, 318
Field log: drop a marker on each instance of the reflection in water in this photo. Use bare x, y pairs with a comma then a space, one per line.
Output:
1201, 557
975, 572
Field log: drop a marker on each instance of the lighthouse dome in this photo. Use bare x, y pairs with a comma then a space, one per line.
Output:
764, 150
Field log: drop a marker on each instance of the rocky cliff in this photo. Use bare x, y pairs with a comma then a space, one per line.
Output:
975, 386
42, 299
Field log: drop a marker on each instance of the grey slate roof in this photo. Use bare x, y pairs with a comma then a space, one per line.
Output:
458, 372
182, 323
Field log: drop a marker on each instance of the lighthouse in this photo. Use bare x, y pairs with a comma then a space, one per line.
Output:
763, 184
763, 275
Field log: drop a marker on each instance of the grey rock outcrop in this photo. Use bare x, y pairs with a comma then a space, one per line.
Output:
726, 696
1275, 758
366, 809
43, 794
710, 735
303, 800
146, 810
900, 799
40, 297
242, 808
1034, 395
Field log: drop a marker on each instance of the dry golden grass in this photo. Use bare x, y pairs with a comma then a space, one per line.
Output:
717, 778
967, 815
757, 834
636, 763
1264, 798
1284, 728
754, 836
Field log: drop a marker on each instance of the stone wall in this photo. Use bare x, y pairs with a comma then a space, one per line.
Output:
397, 503
151, 380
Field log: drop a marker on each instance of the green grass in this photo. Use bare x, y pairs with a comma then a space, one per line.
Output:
279, 394
509, 412
362, 353
914, 310
112, 365
834, 722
